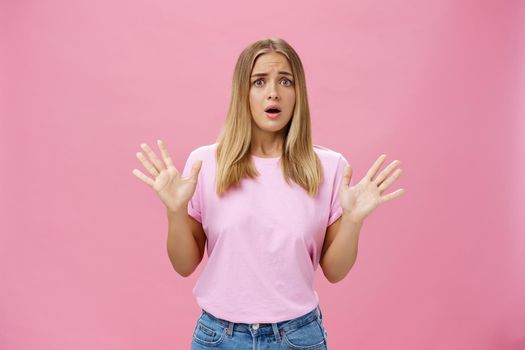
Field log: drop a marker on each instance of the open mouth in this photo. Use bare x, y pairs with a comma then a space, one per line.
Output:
273, 111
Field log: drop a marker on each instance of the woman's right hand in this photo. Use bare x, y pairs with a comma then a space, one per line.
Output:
174, 190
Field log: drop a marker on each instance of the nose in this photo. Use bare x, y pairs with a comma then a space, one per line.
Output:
273, 94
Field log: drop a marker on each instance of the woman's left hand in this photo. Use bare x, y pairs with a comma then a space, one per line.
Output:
361, 199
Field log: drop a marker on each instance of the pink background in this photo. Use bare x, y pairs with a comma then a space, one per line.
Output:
435, 84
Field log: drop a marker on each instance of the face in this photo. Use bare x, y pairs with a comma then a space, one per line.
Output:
272, 83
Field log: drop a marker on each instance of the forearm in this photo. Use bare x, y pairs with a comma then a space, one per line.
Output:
342, 252
183, 250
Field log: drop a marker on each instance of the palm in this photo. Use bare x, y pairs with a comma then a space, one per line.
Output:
362, 198
171, 185
173, 189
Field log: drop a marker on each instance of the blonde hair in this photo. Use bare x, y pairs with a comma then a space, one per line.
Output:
299, 162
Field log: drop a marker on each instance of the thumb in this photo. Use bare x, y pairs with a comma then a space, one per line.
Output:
347, 175
195, 169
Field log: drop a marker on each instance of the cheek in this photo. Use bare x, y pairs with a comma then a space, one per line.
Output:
291, 99
253, 96
252, 101
255, 101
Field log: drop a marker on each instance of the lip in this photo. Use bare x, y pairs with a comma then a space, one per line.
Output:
272, 115
273, 106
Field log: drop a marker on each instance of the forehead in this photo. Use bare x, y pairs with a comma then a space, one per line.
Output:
272, 60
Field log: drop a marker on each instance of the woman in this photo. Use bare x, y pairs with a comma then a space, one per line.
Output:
270, 205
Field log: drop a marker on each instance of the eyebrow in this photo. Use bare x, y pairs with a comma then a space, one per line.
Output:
265, 74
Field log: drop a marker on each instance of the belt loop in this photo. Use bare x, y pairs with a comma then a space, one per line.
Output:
276, 332
230, 328
320, 312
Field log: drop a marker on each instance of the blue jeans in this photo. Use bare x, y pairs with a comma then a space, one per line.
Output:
303, 332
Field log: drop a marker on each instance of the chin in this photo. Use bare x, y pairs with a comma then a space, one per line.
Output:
267, 124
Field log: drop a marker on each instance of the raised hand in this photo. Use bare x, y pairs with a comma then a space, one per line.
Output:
174, 190
361, 199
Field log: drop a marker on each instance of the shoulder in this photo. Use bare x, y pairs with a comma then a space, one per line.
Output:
328, 156
205, 151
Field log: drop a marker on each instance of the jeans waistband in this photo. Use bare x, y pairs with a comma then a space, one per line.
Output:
276, 328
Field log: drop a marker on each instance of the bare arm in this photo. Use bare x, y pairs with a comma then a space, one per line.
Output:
340, 248
341, 241
186, 237
186, 242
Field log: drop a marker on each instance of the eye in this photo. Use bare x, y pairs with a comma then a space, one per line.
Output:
289, 81
254, 83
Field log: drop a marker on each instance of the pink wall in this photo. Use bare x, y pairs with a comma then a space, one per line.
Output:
435, 84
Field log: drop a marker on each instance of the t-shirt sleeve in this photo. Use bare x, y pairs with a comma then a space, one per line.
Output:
194, 205
335, 207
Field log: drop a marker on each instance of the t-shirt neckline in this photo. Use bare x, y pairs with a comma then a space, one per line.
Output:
266, 159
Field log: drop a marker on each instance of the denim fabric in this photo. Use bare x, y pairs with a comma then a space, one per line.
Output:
303, 332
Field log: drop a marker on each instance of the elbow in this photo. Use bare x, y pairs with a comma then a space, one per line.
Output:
334, 276
184, 266
334, 273
185, 272
334, 279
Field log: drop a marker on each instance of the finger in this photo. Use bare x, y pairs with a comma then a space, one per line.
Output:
151, 169
373, 170
347, 175
156, 161
143, 177
390, 180
386, 171
165, 154
392, 195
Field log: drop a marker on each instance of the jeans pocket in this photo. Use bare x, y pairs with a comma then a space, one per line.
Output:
323, 328
308, 336
208, 332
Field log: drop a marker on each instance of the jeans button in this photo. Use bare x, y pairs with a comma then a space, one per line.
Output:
255, 326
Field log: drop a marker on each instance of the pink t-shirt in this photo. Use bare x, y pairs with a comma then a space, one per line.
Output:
264, 239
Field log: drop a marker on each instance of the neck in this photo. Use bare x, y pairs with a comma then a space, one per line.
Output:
267, 144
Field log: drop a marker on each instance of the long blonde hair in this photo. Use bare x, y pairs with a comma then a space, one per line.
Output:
299, 162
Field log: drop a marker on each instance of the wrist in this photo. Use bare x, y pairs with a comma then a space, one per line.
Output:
176, 210
356, 219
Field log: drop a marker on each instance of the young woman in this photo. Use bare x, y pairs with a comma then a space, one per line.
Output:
270, 205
